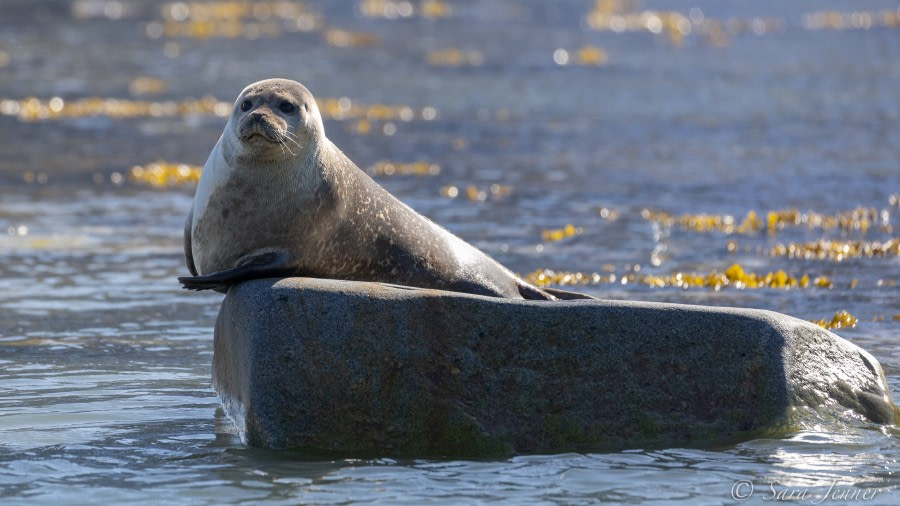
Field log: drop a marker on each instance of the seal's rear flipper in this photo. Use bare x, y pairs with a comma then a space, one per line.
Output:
530, 292
267, 265
567, 295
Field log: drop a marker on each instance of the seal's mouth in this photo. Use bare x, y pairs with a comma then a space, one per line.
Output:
259, 129
257, 137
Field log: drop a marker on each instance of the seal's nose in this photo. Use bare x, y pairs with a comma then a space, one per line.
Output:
259, 122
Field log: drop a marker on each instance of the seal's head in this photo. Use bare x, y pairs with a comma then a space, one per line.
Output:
276, 118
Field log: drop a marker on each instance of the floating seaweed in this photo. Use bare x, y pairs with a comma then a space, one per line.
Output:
35, 109
343, 108
394, 9
586, 55
841, 319
558, 234
386, 168
232, 19
825, 249
344, 38
454, 57
733, 276
607, 213
619, 16
857, 20
706, 222
475, 194
147, 86
860, 219
161, 174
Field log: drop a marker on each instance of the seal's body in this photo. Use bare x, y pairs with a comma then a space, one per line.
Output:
277, 198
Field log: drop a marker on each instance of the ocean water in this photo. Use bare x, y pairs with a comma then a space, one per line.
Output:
652, 129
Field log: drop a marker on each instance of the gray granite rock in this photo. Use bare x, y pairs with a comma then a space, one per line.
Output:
374, 368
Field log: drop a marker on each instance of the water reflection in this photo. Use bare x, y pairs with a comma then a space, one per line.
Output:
821, 459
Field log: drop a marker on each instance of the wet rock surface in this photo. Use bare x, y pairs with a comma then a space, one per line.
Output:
374, 368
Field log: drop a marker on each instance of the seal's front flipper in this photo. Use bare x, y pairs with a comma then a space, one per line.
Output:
266, 265
188, 252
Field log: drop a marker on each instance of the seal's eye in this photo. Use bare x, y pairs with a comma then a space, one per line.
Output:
246, 105
287, 107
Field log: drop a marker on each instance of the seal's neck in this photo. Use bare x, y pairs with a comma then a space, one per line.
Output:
237, 155
296, 170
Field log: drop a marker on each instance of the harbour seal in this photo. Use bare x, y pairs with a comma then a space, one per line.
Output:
276, 198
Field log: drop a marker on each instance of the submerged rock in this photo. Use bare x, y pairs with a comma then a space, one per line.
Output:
373, 368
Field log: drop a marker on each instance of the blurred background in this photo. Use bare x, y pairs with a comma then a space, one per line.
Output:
741, 153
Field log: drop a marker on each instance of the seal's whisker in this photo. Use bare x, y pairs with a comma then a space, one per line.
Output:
285, 146
287, 136
294, 141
